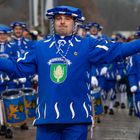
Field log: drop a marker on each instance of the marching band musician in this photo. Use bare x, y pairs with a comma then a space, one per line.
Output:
63, 63
7, 50
134, 79
23, 45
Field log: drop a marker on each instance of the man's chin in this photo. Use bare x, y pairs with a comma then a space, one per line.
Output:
63, 33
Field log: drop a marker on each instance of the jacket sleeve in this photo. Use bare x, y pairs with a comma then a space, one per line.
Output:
100, 52
22, 67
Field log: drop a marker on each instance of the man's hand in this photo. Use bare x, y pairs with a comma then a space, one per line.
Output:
133, 88
118, 77
22, 80
94, 82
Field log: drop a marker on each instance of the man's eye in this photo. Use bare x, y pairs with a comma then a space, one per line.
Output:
58, 18
67, 18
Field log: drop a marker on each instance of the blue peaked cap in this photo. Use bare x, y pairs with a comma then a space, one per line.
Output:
94, 24
67, 10
137, 34
4, 29
82, 26
138, 28
85, 27
18, 23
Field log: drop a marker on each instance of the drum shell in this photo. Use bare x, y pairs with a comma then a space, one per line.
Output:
14, 106
30, 102
98, 104
136, 100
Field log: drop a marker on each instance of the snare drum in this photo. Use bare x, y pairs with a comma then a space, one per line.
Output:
14, 106
98, 105
30, 102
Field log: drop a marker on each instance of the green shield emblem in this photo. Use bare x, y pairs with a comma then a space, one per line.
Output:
58, 72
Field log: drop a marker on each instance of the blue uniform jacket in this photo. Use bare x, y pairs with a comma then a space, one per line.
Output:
64, 67
8, 50
133, 70
23, 45
121, 69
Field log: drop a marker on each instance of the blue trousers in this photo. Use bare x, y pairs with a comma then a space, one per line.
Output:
62, 132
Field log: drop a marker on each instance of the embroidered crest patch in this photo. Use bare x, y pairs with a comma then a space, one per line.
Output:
58, 72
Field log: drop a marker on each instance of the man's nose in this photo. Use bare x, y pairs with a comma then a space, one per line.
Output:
62, 21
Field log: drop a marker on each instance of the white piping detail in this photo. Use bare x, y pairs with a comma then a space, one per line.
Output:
51, 13
47, 40
89, 107
61, 12
130, 61
56, 110
72, 110
1, 78
88, 75
97, 71
52, 44
77, 39
37, 100
38, 114
45, 112
24, 42
102, 47
18, 54
88, 86
84, 105
75, 15
9, 46
89, 97
70, 43
38, 111
22, 58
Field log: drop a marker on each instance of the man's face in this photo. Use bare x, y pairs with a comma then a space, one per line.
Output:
94, 31
18, 31
63, 24
81, 32
3, 37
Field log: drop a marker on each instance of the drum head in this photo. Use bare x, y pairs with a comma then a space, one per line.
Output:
12, 94
28, 91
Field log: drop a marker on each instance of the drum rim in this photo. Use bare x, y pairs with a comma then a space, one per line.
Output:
29, 93
20, 94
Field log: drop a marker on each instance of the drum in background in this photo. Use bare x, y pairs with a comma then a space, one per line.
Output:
35, 82
1, 113
30, 102
12, 84
14, 106
136, 100
98, 104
